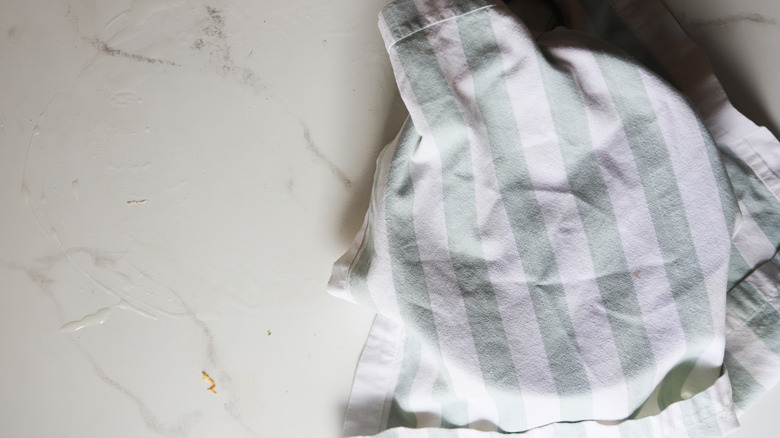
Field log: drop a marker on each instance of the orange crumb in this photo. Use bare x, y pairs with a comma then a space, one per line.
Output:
206, 378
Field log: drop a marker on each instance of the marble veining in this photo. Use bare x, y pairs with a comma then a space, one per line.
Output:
752, 17
213, 40
104, 48
180, 428
322, 158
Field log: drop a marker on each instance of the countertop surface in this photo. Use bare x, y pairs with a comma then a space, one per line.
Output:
176, 179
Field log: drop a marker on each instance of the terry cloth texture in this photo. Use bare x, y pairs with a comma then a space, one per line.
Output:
573, 235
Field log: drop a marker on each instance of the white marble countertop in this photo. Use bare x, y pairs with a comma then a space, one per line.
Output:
177, 178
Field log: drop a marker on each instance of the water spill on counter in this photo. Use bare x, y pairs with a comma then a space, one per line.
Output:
90, 320
100, 316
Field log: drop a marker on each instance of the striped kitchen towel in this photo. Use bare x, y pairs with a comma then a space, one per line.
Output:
574, 234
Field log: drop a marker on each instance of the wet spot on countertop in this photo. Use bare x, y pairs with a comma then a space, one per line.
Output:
92, 319
130, 167
125, 99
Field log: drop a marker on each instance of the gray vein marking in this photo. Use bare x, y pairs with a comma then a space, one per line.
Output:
108, 50
178, 429
334, 169
732, 19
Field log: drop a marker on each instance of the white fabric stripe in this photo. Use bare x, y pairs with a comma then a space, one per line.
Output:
765, 280
676, 418
514, 299
765, 145
421, 402
430, 228
751, 242
596, 430
637, 232
386, 329
701, 202
431, 13
658, 431
546, 432
454, 332
504, 267
727, 421
386, 33
338, 285
761, 150
696, 181
379, 278
435, 12
715, 401
414, 110
405, 89
568, 240
751, 352
452, 59
373, 384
